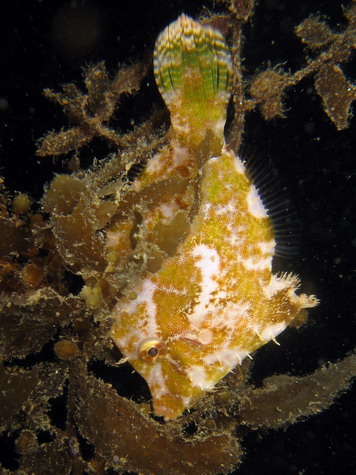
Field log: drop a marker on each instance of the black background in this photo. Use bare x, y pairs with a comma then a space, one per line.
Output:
45, 44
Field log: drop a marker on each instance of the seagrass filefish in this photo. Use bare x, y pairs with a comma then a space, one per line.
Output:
215, 300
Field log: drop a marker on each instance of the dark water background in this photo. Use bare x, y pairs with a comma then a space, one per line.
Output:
45, 44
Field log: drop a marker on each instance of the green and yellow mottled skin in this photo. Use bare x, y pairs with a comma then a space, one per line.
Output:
214, 300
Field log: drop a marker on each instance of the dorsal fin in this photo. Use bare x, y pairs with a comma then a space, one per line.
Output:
193, 71
284, 217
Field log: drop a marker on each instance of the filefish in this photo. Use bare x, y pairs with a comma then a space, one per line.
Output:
213, 300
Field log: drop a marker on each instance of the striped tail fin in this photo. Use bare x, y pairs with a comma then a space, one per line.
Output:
193, 71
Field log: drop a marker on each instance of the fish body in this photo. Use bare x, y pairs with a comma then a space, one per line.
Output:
214, 299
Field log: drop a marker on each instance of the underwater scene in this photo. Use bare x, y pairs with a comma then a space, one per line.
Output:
177, 237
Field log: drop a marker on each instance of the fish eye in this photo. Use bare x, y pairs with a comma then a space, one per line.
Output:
150, 350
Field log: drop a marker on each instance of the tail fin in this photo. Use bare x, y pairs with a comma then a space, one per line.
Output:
193, 71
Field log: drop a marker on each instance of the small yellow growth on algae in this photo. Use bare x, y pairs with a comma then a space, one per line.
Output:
93, 296
213, 299
21, 204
